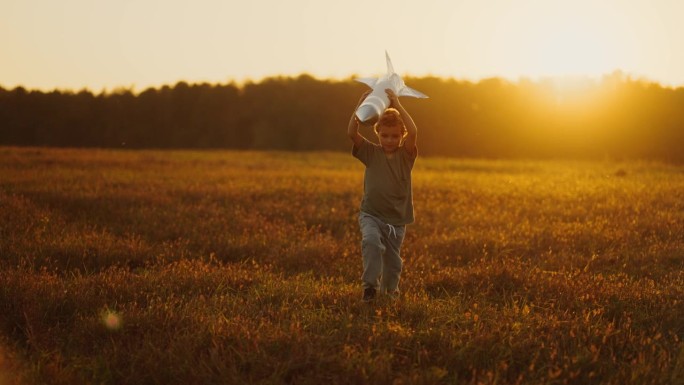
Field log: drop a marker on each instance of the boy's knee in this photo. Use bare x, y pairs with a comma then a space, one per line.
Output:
373, 237
372, 242
392, 261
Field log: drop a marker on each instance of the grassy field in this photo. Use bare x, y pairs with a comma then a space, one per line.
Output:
179, 267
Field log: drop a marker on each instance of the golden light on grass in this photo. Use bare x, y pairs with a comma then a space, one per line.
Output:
524, 271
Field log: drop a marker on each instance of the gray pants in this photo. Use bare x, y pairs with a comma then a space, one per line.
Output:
381, 248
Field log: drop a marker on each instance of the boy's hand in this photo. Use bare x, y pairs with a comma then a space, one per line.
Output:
393, 98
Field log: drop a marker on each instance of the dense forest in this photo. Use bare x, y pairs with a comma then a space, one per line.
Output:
615, 117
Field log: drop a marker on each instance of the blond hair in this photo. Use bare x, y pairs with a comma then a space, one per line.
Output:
391, 118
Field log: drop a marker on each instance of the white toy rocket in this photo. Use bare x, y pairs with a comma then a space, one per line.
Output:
376, 103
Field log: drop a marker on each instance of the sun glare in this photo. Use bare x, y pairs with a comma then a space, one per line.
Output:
571, 89
561, 51
538, 39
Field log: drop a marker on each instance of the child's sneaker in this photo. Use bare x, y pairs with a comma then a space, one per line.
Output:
368, 294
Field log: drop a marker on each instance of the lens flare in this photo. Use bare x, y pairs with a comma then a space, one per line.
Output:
112, 320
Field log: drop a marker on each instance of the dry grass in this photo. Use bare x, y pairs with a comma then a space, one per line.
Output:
180, 267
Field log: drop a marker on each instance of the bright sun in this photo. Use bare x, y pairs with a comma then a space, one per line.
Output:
563, 46
546, 39
558, 50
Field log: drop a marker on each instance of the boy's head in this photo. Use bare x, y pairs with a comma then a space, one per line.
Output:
390, 129
390, 118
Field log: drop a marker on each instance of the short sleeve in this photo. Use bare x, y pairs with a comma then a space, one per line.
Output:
409, 158
364, 152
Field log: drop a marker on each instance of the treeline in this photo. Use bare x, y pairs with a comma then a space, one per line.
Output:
616, 117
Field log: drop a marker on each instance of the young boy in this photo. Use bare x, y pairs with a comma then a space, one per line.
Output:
387, 205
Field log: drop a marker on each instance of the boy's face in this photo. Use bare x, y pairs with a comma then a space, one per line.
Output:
390, 137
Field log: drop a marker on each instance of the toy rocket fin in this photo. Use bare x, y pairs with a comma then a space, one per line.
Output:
407, 91
370, 82
390, 68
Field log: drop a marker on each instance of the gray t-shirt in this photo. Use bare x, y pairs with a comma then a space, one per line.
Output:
386, 183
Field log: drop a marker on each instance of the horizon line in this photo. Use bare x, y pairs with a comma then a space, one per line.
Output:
240, 83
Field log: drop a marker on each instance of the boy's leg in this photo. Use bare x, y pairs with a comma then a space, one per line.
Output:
391, 260
372, 250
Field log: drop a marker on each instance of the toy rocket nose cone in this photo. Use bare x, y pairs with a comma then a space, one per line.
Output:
365, 112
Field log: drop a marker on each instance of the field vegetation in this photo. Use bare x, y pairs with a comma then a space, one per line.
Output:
200, 267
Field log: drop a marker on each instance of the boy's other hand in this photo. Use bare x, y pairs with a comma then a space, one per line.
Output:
394, 99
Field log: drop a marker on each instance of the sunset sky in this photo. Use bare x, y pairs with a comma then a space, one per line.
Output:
104, 44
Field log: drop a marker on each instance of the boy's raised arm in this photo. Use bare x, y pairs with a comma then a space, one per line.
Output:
412, 136
353, 127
